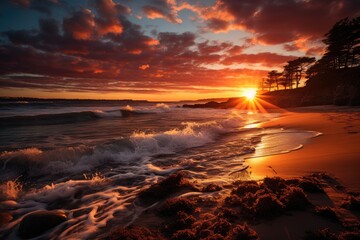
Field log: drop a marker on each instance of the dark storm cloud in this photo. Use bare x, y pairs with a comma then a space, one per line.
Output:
265, 58
100, 49
42, 6
280, 21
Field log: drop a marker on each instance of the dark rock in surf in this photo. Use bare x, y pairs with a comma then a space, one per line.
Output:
36, 223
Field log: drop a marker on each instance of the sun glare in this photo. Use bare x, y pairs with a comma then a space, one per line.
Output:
249, 93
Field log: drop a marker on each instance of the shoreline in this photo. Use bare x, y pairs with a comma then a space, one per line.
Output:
295, 195
336, 151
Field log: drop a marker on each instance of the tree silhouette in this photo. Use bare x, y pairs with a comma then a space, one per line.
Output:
273, 78
334, 78
343, 44
283, 81
301, 64
293, 73
269, 82
289, 74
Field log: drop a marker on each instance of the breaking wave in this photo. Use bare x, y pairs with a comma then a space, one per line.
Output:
127, 151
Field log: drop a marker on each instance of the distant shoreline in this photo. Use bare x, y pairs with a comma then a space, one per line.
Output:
14, 99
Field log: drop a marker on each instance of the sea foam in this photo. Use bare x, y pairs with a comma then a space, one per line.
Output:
139, 145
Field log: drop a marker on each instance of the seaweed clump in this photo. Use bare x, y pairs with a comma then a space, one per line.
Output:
165, 188
135, 233
243, 232
266, 200
174, 205
352, 203
327, 212
294, 198
212, 187
326, 234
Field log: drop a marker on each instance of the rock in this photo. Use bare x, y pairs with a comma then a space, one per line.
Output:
36, 223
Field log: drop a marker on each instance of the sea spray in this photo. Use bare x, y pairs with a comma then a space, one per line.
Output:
36, 162
10, 190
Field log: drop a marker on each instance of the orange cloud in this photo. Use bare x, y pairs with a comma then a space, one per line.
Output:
144, 66
166, 9
81, 25
152, 41
274, 23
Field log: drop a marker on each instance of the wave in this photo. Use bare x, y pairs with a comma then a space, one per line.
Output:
73, 117
60, 118
129, 152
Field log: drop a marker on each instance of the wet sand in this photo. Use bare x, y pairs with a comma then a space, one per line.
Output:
336, 151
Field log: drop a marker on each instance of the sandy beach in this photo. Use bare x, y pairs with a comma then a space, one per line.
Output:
336, 151
316, 187
309, 193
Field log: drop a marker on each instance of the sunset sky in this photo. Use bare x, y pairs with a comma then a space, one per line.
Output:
155, 49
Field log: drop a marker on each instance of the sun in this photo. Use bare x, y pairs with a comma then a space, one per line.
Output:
249, 93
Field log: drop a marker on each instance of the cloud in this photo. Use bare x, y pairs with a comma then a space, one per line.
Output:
80, 25
276, 21
310, 48
210, 47
24, 3
109, 13
163, 9
144, 66
218, 25
174, 42
42, 6
85, 52
264, 58
108, 8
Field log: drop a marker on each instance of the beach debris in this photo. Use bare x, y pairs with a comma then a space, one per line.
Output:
181, 221
36, 223
226, 216
267, 206
228, 213
323, 234
165, 188
174, 205
327, 212
135, 233
243, 232
294, 198
272, 169
275, 184
185, 234
351, 203
222, 227
326, 234
212, 187
246, 187
311, 185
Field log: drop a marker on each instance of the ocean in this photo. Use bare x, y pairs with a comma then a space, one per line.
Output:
91, 158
